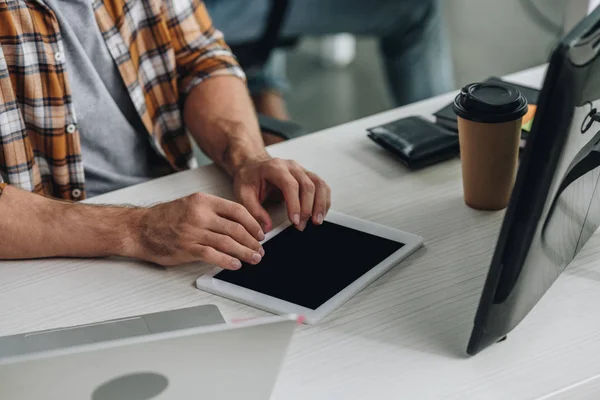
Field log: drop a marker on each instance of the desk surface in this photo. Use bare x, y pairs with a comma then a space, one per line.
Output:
405, 335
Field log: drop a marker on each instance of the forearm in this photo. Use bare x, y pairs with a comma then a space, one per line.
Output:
32, 226
220, 116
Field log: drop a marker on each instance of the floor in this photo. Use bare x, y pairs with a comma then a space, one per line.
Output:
326, 96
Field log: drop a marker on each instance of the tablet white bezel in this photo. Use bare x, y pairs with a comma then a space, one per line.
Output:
272, 304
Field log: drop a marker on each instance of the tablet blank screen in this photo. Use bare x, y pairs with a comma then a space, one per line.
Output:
308, 268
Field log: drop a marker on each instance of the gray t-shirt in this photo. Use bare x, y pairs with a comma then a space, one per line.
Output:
115, 145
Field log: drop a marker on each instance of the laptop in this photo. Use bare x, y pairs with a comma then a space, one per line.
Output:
208, 361
165, 321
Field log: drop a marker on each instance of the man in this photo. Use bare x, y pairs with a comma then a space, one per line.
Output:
412, 41
95, 96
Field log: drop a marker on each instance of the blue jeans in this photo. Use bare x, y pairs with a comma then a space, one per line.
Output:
412, 38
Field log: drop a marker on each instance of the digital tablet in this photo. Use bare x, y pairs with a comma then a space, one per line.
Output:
311, 273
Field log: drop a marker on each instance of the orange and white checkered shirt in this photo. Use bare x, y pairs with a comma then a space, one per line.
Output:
163, 49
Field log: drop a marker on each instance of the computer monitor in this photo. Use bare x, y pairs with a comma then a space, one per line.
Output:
555, 205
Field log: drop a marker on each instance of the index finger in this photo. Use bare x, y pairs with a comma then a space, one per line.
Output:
289, 186
238, 213
322, 199
249, 199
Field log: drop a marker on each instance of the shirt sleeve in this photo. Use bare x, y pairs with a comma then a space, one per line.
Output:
200, 50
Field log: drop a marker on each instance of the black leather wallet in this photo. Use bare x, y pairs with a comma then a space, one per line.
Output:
417, 142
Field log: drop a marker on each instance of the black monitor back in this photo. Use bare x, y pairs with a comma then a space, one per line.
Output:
555, 205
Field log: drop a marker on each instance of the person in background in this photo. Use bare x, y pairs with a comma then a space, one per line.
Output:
412, 40
99, 95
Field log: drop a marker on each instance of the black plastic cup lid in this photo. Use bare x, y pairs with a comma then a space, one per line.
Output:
492, 102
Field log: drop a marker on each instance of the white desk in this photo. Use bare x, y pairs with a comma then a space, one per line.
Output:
405, 335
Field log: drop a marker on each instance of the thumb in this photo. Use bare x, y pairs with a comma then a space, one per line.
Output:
248, 196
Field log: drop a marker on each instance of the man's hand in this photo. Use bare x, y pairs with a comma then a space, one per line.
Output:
306, 195
198, 227
219, 115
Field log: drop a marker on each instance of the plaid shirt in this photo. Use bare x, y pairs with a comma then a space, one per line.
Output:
163, 49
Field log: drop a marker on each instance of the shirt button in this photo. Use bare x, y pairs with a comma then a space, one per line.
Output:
71, 128
76, 193
58, 56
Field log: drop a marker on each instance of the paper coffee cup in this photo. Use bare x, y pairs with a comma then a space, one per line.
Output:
489, 132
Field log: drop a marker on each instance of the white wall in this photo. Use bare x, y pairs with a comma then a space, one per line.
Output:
495, 37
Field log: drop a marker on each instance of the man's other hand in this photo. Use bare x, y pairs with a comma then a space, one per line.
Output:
199, 227
306, 195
